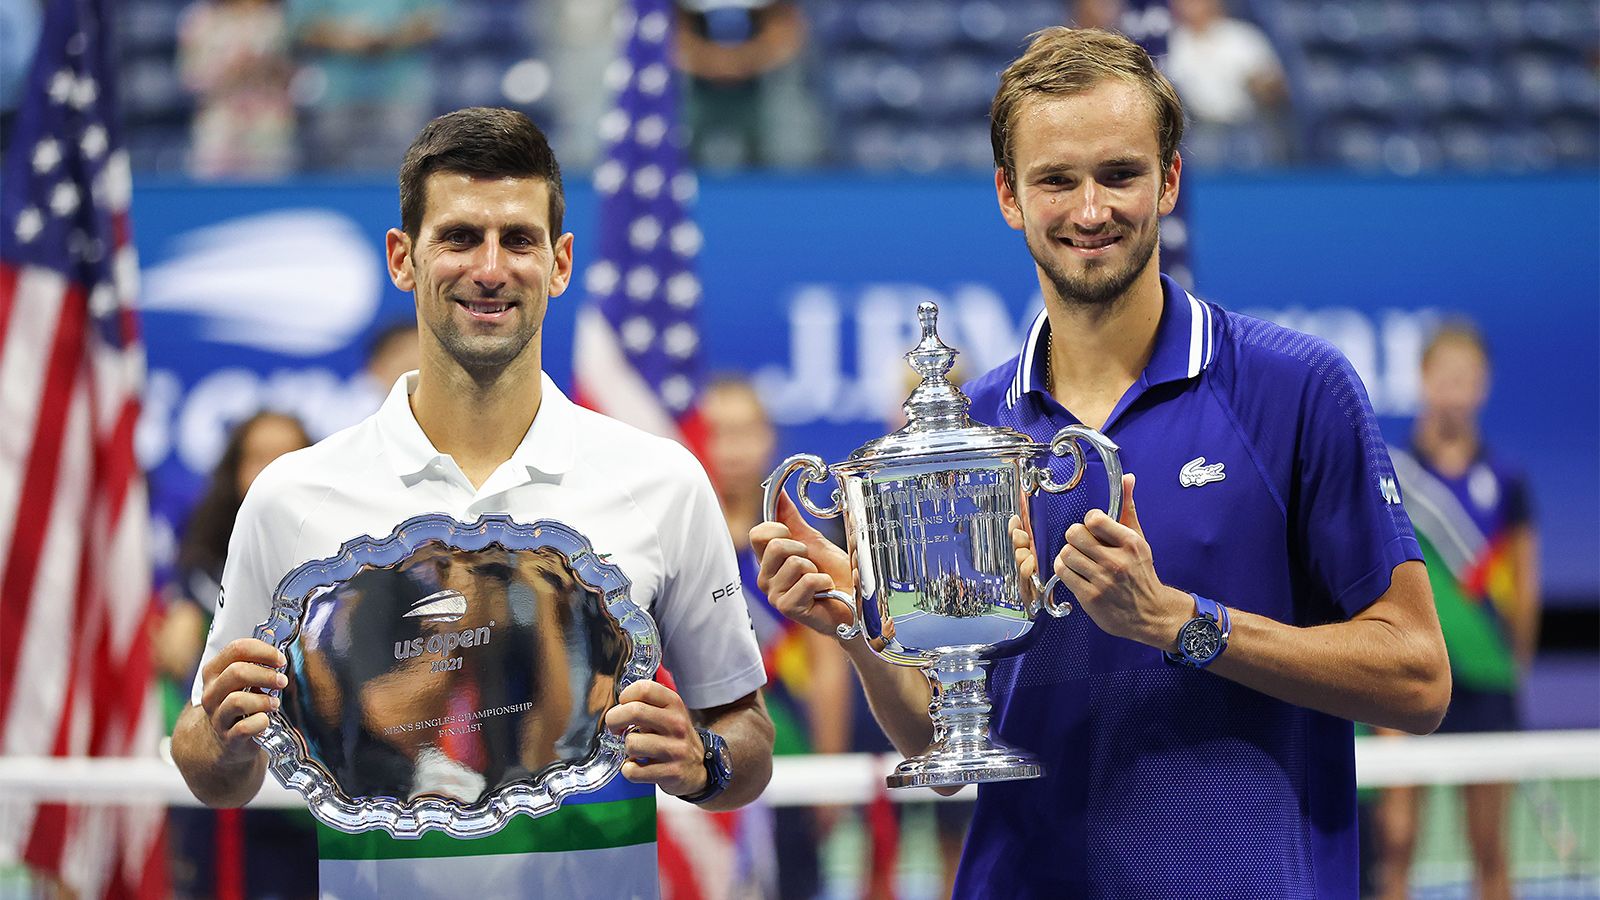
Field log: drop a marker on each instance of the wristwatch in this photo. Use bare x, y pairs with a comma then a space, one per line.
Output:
719, 766
1203, 638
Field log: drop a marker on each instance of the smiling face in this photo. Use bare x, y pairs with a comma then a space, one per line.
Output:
1089, 189
483, 267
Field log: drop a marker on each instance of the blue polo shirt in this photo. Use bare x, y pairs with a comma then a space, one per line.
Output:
1263, 484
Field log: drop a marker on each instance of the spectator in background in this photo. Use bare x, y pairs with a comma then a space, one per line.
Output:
19, 33
392, 352
279, 846
577, 38
745, 99
1232, 85
372, 90
234, 57
809, 689
1473, 517
1105, 14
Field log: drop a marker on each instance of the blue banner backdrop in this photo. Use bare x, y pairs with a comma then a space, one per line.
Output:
266, 295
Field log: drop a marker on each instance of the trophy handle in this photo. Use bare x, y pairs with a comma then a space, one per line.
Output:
1065, 443
853, 628
812, 471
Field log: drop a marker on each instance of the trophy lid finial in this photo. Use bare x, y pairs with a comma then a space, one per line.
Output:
937, 420
936, 403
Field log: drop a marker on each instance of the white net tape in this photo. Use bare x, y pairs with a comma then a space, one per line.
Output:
856, 778
1553, 824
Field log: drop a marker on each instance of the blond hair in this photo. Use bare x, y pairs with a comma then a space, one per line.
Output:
1063, 61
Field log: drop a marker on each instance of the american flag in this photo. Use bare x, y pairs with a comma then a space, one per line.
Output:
636, 354
75, 589
637, 358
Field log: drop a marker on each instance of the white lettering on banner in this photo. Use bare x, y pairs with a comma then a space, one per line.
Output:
1383, 346
195, 424
815, 386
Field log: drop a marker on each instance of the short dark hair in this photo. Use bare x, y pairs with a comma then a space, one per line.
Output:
1063, 61
483, 142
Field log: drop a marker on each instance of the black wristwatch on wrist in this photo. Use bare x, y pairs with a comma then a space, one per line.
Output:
719, 766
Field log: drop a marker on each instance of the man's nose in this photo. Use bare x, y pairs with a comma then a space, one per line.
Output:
1089, 207
488, 266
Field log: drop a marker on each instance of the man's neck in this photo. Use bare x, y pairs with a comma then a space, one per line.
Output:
478, 422
1449, 446
1097, 352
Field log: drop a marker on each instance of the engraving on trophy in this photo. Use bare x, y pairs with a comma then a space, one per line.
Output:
453, 675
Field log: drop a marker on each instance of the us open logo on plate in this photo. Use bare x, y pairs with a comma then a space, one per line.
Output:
442, 607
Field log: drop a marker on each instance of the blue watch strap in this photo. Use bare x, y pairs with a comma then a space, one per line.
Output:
1204, 607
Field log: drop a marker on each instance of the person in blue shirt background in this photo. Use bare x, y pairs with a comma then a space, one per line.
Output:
1269, 502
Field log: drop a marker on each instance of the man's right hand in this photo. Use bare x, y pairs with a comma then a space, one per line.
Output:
797, 564
231, 695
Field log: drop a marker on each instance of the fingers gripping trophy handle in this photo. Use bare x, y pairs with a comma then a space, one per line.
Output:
1065, 443
812, 471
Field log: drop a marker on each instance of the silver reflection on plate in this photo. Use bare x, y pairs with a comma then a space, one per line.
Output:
937, 522
452, 675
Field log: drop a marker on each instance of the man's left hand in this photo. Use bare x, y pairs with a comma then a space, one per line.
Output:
1108, 566
658, 733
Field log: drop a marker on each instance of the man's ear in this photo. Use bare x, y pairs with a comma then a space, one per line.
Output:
397, 249
1169, 185
1009, 208
561, 274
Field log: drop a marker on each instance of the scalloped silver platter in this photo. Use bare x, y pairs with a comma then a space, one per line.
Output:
452, 675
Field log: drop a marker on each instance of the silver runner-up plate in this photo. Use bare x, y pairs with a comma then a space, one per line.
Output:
452, 675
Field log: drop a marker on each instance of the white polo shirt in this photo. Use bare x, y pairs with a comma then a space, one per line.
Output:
642, 499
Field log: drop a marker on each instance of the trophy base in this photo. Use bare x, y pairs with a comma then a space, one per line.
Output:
936, 770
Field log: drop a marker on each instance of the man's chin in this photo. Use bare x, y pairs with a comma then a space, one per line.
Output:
1095, 290
482, 357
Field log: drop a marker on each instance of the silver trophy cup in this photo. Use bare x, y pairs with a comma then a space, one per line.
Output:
938, 528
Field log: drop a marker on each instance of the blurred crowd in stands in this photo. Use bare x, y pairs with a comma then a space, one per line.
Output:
261, 88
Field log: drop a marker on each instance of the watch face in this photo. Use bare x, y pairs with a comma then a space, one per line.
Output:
1200, 639
719, 761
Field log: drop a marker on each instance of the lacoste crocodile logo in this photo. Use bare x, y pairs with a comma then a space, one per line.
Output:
1195, 472
440, 606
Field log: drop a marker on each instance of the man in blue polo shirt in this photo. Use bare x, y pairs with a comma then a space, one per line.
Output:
1269, 534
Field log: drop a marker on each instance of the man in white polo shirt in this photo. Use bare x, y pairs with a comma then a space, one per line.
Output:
480, 429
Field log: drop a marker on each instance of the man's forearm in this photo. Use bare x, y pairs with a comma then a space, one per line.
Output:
1386, 666
747, 729
215, 781
898, 695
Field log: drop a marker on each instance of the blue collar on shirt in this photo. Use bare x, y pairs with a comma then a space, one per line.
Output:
1185, 346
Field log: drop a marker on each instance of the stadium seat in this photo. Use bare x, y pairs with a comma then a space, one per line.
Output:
958, 88
151, 92
149, 27
984, 24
